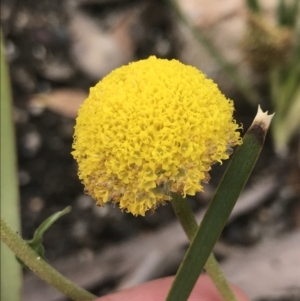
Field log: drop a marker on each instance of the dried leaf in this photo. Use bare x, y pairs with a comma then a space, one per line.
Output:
65, 102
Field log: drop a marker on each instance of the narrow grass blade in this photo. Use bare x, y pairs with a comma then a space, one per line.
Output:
189, 224
243, 85
254, 6
220, 208
287, 13
11, 276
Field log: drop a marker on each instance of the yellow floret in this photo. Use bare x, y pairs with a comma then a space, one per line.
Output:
151, 128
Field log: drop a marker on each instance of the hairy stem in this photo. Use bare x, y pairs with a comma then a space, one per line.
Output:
41, 267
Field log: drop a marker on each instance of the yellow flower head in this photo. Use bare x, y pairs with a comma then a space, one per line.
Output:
151, 128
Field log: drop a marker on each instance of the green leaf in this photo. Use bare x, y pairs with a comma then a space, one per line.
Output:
11, 273
287, 13
220, 208
36, 242
287, 126
254, 6
40, 267
284, 84
189, 224
281, 13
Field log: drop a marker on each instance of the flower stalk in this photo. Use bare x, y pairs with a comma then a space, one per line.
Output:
189, 224
220, 207
40, 267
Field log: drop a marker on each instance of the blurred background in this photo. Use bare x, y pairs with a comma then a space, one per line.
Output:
57, 49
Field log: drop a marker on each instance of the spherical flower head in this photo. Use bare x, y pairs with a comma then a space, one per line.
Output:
151, 128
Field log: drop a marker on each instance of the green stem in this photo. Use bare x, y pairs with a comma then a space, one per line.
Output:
40, 267
189, 224
220, 207
215, 272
